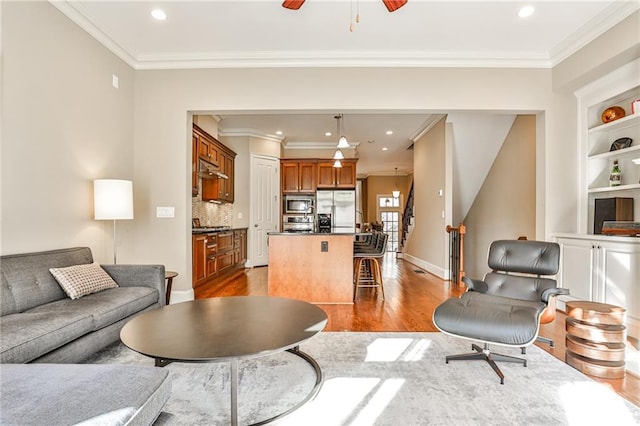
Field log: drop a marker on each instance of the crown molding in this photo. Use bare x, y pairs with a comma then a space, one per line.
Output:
247, 132
428, 124
316, 145
79, 19
340, 59
592, 30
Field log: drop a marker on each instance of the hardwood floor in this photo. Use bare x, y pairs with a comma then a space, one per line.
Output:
411, 297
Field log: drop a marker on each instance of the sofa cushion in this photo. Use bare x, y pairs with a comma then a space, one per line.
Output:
26, 281
65, 394
27, 336
106, 307
80, 280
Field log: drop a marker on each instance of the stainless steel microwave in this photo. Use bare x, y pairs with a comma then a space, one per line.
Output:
298, 204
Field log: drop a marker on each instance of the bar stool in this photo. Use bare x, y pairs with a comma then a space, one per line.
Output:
366, 262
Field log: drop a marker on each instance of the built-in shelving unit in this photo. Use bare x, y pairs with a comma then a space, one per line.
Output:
620, 88
604, 268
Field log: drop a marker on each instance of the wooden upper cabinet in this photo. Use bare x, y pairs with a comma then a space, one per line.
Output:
298, 176
326, 175
211, 150
207, 145
337, 177
289, 173
346, 175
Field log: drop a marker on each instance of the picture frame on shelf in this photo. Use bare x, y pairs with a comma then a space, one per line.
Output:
621, 143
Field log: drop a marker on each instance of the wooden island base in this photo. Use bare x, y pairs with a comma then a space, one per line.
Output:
300, 269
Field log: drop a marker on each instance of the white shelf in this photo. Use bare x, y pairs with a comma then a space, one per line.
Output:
616, 153
615, 188
619, 124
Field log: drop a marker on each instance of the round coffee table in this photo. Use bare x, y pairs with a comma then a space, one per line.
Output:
227, 329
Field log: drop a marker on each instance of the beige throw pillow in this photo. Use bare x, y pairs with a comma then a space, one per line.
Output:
80, 280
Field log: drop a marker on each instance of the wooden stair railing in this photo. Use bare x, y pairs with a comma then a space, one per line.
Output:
407, 214
456, 253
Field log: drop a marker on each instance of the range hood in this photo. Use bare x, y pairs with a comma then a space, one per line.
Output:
208, 170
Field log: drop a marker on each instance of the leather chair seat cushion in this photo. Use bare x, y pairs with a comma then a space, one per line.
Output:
489, 318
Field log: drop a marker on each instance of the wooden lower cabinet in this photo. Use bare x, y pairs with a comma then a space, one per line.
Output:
218, 255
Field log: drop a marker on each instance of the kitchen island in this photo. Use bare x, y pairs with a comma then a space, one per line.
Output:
316, 268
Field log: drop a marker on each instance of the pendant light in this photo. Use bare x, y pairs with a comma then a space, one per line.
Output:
342, 143
396, 192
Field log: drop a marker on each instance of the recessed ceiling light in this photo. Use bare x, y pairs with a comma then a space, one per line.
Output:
526, 11
389, 132
385, 148
278, 132
371, 141
159, 14
327, 133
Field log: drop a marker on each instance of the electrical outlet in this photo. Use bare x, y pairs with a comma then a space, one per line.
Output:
115, 80
165, 211
324, 246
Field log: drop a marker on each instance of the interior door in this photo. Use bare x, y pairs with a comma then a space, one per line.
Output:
265, 207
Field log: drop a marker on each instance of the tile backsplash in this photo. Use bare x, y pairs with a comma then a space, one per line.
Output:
212, 214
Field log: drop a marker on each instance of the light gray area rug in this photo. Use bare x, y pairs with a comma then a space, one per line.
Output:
397, 379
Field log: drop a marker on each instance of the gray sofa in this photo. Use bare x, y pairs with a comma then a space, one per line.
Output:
39, 324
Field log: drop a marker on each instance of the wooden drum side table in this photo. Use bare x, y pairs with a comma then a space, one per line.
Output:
596, 338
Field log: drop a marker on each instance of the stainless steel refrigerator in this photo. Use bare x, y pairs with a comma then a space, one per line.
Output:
341, 205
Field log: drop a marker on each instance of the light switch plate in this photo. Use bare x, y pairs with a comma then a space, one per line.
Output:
165, 211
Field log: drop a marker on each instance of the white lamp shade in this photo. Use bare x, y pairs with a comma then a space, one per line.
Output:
395, 193
112, 199
337, 164
338, 155
343, 143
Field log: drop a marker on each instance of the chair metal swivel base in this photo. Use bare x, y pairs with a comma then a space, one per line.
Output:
486, 355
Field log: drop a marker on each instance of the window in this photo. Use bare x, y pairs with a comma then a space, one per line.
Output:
389, 214
391, 222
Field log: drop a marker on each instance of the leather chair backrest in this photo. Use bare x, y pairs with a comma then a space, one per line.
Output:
527, 257
517, 268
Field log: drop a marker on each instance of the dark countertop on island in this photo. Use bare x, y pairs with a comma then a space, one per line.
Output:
315, 233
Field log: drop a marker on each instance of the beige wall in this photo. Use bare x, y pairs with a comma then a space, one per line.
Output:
63, 125
505, 205
383, 185
616, 47
62, 76
426, 245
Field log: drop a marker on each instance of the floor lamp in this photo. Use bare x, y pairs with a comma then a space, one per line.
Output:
113, 200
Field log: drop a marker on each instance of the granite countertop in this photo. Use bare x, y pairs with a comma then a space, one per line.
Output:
211, 229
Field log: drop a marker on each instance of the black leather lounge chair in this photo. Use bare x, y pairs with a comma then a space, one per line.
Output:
505, 308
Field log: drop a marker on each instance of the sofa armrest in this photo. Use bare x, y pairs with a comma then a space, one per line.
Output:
139, 276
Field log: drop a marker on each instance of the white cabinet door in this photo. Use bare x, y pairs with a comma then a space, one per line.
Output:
577, 268
603, 271
619, 266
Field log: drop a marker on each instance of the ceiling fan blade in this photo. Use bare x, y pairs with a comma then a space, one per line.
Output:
394, 4
294, 4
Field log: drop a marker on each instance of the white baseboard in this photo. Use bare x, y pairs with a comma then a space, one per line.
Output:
178, 296
432, 269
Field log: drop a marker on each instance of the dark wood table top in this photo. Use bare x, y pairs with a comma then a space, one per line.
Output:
223, 328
